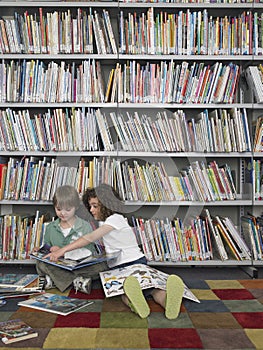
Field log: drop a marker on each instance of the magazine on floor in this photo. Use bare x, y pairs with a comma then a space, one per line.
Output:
15, 285
55, 303
148, 277
20, 293
15, 330
70, 264
18, 280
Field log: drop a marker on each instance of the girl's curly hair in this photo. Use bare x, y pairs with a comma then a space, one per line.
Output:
109, 200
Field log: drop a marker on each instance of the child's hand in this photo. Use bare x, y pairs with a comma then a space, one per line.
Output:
54, 255
54, 248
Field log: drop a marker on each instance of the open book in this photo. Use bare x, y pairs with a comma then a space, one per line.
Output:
70, 264
148, 277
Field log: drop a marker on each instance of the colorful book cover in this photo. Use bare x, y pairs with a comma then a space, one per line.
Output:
58, 304
17, 279
148, 277
16, 330
70, 264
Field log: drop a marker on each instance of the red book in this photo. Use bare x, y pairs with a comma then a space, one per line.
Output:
3, 171
213, 165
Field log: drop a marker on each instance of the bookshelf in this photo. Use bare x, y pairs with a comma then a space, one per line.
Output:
66, 84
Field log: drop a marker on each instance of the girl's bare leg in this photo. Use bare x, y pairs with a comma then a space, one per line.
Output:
159, 296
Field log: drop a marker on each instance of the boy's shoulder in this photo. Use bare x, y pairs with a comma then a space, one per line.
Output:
84, 225
53, 223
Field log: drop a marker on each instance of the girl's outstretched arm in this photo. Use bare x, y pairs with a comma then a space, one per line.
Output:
80, 242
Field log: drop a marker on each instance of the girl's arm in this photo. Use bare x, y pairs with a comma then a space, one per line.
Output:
81, 242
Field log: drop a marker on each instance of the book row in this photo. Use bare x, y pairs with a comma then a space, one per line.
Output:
73, 129
171, 82
195, 1
191, 33
35, 81
20, 234
58, 32
37, 178
88, 31
132, 82
171, 1
206, 237
80, 129
219, 130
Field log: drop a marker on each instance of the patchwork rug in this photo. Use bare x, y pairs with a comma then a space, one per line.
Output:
229, 316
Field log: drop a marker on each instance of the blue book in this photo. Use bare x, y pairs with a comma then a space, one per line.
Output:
58, 304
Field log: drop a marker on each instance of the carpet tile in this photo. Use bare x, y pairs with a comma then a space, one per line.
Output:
256, 337
167, 338
225, 339
206, 320
245, 306
233, 294
79, 319
121, 320
205, 294
206, 306
229, 316
249, 319
157, 320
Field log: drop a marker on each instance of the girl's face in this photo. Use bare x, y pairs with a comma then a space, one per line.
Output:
94, 208
65, 214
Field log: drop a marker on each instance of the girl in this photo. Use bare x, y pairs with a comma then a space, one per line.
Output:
106, 206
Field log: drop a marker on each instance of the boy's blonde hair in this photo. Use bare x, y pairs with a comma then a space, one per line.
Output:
66, 197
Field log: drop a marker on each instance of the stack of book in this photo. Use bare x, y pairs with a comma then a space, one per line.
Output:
14, 285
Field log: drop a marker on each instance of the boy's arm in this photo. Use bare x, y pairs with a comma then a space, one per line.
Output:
81, 242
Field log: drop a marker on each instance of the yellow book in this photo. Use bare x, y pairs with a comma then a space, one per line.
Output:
91, 171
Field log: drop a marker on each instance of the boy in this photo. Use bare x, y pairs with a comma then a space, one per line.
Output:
67, 228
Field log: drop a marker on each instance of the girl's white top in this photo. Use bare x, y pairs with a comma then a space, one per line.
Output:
121, 238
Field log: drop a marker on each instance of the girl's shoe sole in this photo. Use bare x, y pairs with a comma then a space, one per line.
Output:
133, 291
174, 296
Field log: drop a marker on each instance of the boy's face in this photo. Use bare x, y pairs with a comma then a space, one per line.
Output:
65, 214
94, 208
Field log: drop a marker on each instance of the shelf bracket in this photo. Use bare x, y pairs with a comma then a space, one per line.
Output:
251, 271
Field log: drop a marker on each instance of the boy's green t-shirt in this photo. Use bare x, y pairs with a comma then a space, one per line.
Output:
54, 236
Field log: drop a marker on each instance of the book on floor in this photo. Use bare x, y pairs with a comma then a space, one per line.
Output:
70, 264
16, 330
148, 277
20, 294
14, 291
55, 303
18, 280
16, 285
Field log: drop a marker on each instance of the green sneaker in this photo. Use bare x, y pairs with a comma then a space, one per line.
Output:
137, 302
174, 296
